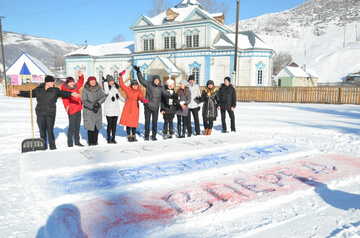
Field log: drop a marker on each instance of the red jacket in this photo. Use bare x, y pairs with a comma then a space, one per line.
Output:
131, 111
74, 104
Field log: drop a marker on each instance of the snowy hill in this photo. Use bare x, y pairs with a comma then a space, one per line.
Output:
43, 49
321, 34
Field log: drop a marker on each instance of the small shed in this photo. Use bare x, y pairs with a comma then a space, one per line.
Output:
27, 68
295, 76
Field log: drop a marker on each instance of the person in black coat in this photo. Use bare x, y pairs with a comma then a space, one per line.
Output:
154, 92
168, 109
210, 98
227, 103
46, 96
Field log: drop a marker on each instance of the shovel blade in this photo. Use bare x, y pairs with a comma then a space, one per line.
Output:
33, 144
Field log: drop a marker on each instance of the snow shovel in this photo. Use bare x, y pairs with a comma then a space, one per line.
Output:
32, 144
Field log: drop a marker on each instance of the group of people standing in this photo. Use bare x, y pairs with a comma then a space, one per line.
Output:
184, 103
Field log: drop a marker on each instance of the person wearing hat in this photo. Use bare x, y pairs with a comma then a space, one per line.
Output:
73, 107
92, 96
46, 96
154, 92
194, 106
227, 103
184, 98
111, 107
168, 110
209, 97
131, 111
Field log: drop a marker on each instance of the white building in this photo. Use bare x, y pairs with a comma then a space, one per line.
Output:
181, 41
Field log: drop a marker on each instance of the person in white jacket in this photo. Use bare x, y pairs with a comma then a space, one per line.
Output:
111, 107
194, 106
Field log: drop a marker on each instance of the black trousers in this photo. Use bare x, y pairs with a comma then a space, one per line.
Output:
74, 128
168, 126
223, 120
46, 127
93, 136
208, 124
111, 127
148, 114
182, 128
130, 130
195, 113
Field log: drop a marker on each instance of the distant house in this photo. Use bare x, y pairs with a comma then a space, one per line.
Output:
353, 77
27, 69
295, 76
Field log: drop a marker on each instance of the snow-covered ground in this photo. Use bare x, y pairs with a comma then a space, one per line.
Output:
290, 170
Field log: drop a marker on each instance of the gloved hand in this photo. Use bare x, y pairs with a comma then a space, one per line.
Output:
197, 98
113, 98
136, 68
144, 100
104, 79
97, 105
95, 110
122, 73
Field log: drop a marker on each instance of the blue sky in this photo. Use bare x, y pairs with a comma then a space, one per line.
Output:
100, 21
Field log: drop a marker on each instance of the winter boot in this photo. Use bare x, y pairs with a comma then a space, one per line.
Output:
206, 132
130, 138
113, 141
209, 132
134, 138
108, 140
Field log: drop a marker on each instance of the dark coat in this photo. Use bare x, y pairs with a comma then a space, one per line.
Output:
131, 111
210, 99
153, 93
227, 97
184, 97
168, 104
89, 96
46, 99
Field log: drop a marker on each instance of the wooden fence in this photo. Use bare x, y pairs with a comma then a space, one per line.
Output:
325, 95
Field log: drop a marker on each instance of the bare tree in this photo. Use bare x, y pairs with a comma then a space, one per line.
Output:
158, 7
280, 61
118, 38
213, 6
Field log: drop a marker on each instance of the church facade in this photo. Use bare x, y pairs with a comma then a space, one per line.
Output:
181, 41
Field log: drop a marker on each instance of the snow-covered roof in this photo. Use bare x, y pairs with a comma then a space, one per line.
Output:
246, 40
118, 48
297, 72
30, 65
186, 3
187, 12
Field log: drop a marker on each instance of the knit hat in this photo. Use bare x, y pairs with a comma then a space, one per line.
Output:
109, 78
49, 78
156, 77
69, 79
191, 77
91, 78
134, 81
183, 82
227, 78
209, 82
169, 82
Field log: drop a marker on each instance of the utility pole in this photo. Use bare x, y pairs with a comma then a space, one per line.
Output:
3, 58
236, 42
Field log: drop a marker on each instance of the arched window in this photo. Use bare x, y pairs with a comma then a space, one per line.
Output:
260, 74
101, 74
196, 72
192, 38
116, 76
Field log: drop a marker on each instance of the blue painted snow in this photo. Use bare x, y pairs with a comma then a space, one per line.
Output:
111, 178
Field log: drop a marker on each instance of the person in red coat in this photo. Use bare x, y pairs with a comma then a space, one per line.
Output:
73, 107
130, 113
